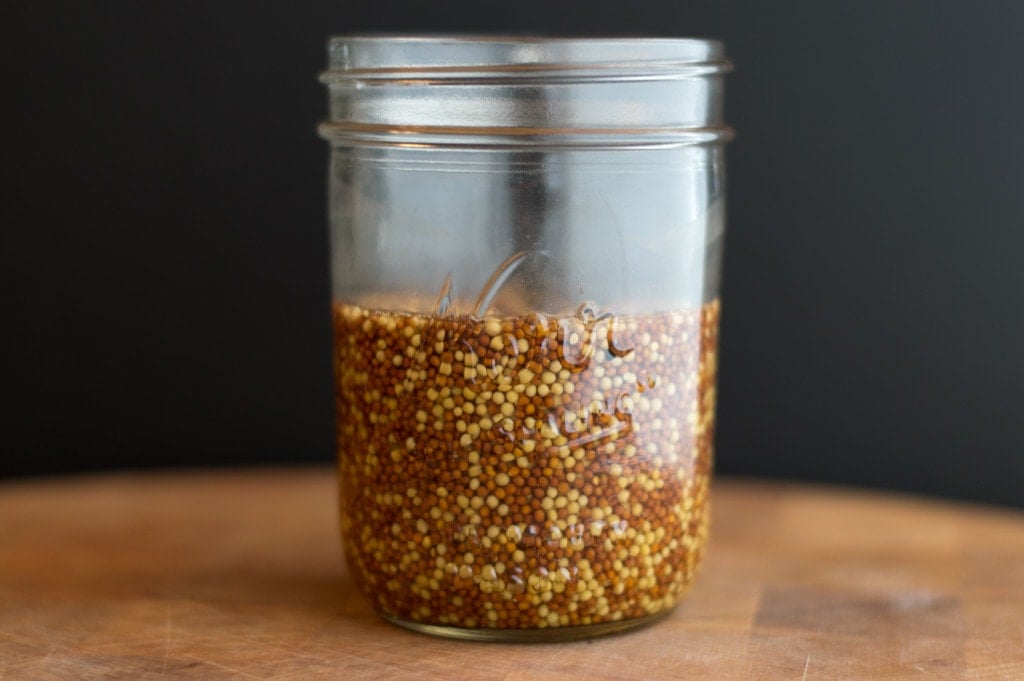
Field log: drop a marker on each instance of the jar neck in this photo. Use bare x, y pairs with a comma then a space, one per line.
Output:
494, 92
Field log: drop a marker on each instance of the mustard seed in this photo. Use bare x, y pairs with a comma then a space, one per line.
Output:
524, 472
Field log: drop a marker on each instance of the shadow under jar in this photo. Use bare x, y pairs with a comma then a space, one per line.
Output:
526, 240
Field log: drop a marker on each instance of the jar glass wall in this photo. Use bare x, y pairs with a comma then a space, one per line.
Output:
526, 249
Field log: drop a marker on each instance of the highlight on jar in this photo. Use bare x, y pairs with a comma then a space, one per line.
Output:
530, 460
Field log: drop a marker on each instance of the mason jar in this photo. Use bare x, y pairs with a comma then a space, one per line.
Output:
526, 242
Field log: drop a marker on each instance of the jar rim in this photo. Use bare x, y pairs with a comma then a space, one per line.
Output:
454, 55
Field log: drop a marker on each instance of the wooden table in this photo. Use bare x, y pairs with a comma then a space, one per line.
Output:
238, 575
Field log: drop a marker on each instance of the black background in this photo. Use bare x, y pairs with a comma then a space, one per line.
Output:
163, 275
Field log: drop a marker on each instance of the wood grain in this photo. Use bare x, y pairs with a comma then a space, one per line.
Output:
239, 575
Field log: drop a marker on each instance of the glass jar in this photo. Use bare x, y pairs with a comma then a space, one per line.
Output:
526, 244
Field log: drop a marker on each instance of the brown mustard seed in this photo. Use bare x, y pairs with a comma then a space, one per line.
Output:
524, 472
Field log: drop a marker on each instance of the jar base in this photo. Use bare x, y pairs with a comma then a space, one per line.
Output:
538, 635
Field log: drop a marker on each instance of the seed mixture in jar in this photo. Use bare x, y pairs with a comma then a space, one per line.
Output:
524, 472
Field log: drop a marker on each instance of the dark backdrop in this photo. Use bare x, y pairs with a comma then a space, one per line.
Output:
162, 256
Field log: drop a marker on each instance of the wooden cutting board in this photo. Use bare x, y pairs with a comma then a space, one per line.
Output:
239, 575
